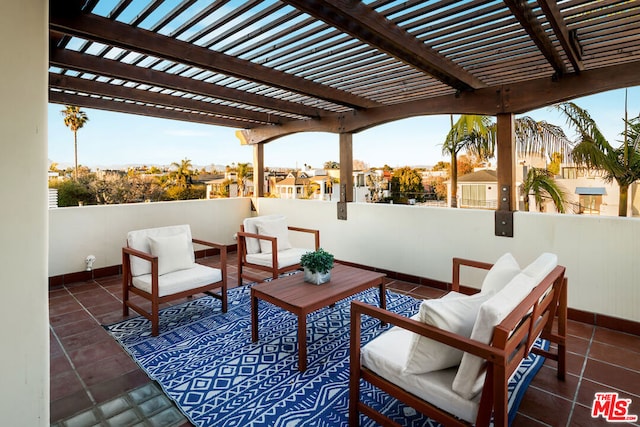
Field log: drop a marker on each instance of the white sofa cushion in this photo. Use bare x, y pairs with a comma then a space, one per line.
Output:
174, 252
139, 240
386, 355
276, 228
470, 376
251, 226
541, 267
454, 313
501, 273
181, 280
286, 258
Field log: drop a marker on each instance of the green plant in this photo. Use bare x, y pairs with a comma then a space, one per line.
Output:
318, 261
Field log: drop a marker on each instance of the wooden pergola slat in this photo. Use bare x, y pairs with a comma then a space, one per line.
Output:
105, 31
100, 66
357, 19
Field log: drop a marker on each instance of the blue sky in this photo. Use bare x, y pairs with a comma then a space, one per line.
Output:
113, 139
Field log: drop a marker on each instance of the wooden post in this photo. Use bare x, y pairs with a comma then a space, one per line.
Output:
506, 160
258, 170
506, 143
346, 167
346, 174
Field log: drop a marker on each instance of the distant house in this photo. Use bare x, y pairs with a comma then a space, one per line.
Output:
586, 192
478, 190
222, 186
589, 194
294, 186
305, 185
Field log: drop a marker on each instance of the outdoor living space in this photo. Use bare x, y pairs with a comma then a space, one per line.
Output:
89, 368
90, 371
353, 66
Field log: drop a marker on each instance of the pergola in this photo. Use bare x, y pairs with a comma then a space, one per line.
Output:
272, 68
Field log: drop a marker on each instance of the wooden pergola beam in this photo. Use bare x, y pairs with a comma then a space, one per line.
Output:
252, 118
142, 110
571, 49
361, 21
113, 33
524, 14
517, 98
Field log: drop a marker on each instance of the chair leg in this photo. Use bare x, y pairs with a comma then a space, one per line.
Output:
224, 299
155, 317
125, 298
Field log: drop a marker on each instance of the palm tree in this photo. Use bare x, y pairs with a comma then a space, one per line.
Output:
244, 172
182, 172
476, 135
540, 183
593, 151
473, 134
540, 137
74, 119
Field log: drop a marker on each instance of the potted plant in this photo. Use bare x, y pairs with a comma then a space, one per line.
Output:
317, 266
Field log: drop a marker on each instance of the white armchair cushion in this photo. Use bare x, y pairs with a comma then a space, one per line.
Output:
286, 258
470, 376
139, 240
387, 354
181, 280
174, 252
275, 228
250, 225
504, 269
454, 313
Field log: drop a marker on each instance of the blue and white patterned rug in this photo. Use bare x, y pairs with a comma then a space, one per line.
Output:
205, 361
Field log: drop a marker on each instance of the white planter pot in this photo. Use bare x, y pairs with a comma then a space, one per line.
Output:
316, 278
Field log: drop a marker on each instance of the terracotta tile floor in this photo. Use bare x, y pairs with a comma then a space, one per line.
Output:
94, 382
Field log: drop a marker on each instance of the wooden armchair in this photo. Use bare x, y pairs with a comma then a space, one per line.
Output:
508, 322
263, 244
159, 265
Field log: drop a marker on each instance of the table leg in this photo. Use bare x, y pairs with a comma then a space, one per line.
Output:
302, 342
383, 298
254, 318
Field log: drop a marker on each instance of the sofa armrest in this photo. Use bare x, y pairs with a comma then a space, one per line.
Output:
459, 262
316, 234
467, 345
242, 246
139, 254
127, 253
222, 248
210, 244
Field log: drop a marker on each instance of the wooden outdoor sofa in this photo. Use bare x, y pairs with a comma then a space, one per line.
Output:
440, 394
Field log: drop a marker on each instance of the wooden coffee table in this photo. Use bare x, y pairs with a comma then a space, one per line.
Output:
295, 295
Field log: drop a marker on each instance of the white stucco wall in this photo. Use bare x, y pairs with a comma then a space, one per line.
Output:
102, 230
599, 252
24, 359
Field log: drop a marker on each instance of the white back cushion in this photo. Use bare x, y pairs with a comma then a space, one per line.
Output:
504, 269
139, 240
251, 226
174, 252
454, 313
541, 267
275, 228
470, 376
